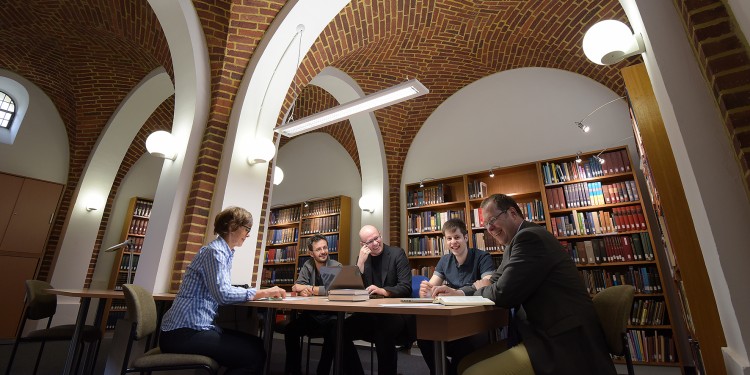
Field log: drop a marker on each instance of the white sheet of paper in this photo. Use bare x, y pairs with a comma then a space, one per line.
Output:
431, 305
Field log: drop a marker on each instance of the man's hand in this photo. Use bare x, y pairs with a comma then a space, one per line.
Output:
444, 290
481, 283
274, 292
372, 289
364, 253
306, 292
425, 289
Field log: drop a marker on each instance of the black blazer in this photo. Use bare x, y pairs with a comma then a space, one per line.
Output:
395, 275
556, 320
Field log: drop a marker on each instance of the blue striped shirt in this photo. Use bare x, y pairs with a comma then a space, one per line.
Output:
206, 285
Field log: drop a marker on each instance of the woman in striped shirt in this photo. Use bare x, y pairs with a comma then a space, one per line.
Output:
188, 325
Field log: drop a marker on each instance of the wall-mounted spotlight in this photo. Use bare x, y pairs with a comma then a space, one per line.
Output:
278, 175
584, 128
162, 144
492, 173
609, 42
421, 182
366, 204
599, 159
261, 151
578, 157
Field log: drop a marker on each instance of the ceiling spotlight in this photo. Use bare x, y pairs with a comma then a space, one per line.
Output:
578, 157
584, 128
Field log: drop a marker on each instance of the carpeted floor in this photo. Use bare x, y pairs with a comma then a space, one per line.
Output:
54, 355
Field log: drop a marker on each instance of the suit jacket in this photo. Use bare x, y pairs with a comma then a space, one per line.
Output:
395, 275
556, 320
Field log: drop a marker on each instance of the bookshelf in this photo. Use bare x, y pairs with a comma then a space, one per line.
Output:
134, 229
595, 210
292, 225
684, 265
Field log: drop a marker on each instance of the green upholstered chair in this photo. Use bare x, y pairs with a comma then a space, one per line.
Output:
613, 307
43, 305
142, 315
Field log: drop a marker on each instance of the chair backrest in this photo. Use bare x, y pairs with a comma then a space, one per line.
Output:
613, 306
40, 304
141, 309
415, 281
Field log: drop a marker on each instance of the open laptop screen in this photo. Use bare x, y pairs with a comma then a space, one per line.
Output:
345, 277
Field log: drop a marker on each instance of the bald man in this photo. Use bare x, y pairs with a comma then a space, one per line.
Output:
385, 272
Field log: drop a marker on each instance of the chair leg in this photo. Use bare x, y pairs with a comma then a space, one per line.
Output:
39, 356
307, 366
372, 358
12, 355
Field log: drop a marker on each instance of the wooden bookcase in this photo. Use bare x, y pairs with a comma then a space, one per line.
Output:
133, 229
551, 193
685, 267
290, 228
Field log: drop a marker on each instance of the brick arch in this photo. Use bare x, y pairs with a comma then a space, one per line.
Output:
447, 46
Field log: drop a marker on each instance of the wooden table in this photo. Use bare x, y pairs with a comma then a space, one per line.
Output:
434, 322
86, 295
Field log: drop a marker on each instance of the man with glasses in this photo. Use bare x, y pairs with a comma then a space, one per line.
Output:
316, 323
385, 271
554, 314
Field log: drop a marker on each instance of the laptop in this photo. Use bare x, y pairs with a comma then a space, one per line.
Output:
345, 277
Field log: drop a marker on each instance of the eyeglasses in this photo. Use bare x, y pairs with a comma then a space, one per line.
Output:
492, 220
247, 228
370, 242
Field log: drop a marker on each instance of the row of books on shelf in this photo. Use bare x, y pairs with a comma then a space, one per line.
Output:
477, 189
426, 246
282, 255
277, 275
644, 279
285, 215
125, 262
321, 225
427, 195
431, 221
138, 226
425, 271
136, 244
286, 235
651, 346
324, 207
621, 219
613, 162
648, 312
333, 244
113, 317
625, 248
586, 194
485, 241
122, 279
531, 211
142, 208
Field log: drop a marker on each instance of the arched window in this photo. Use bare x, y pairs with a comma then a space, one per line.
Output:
7, 110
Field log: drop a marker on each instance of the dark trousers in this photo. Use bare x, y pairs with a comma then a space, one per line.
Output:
313, 324
382, 329
239, 352
456, 350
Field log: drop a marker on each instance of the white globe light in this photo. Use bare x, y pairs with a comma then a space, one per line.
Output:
278, 176
161, 144
608, 42
366, 204
261, 151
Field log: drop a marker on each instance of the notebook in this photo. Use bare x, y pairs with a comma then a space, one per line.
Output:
345, 277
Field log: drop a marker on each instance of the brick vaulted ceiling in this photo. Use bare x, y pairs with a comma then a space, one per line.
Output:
88, 54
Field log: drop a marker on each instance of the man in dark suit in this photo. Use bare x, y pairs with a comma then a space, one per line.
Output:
554, 315
385, 272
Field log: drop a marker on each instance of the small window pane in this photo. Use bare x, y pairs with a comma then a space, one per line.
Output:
7, 110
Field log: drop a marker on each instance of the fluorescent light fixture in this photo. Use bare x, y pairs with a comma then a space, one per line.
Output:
383, 98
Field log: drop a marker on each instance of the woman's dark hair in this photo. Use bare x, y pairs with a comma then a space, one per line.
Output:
230, 219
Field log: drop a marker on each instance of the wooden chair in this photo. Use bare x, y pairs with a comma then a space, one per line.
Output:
142, 314
613, 307
43, 305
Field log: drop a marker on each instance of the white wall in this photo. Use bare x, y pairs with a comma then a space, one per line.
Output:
741, 11
514, 117
141, 182
40, 149
316, 165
